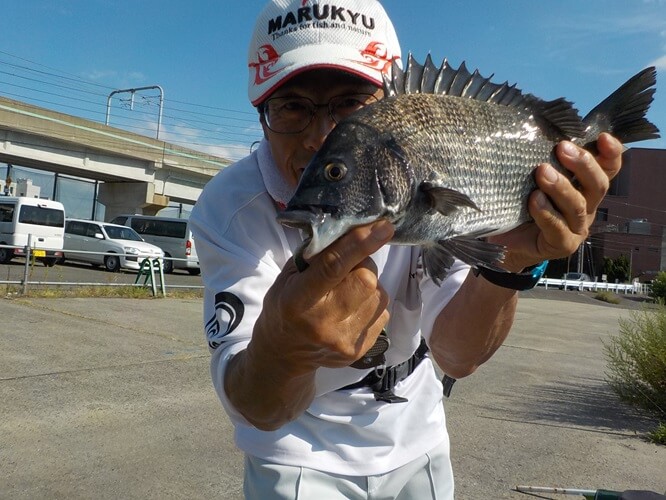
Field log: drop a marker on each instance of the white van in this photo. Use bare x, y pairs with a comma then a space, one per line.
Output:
23, 216
170, 234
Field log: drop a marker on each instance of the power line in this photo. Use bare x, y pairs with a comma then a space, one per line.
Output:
137, 123
146, 102
220, 124
624, 203
109, 88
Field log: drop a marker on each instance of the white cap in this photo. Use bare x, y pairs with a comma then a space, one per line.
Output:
292, 36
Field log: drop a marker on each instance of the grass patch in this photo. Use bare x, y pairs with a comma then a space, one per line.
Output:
125, 292
658, 436
637, 364
606, 296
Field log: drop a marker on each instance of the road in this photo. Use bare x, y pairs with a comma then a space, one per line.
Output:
111, 398
71, 272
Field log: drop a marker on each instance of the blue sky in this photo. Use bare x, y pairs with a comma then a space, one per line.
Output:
68, 55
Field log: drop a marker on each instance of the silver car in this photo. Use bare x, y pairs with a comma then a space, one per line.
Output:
572, 278
110, 245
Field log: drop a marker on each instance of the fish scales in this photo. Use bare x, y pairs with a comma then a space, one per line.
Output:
466, 144
449, 159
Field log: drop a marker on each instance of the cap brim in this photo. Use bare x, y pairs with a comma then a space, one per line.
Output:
267, 79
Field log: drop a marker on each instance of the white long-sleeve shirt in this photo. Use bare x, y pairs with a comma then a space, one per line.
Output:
242, 249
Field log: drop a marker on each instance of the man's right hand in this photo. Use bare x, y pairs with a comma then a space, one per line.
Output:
326, 316
331, 313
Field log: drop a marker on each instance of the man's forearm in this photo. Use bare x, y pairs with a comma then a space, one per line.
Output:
472, 326
264, 391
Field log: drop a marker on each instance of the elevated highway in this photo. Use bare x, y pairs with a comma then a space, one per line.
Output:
138, 174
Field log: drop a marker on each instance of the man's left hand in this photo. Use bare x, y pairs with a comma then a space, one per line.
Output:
562, 212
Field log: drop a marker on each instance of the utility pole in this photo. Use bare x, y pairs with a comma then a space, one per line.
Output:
8, 180
581, 249
590, 257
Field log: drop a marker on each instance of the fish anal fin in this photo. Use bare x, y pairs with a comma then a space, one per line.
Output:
446, 200
438, 258
476, 252
437, 261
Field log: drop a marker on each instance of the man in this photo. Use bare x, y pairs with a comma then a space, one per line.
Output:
282, 341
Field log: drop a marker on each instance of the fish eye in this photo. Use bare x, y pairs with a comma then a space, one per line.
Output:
335, 171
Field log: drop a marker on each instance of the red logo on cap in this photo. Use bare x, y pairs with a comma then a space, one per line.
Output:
378, 56
267, 56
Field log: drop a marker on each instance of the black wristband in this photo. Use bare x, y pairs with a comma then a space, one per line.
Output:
516, 281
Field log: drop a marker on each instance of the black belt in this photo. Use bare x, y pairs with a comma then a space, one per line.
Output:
382, 380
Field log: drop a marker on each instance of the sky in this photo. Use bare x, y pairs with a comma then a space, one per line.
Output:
70, 55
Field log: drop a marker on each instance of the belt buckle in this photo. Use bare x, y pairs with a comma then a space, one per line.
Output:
375, 355
383, 389
380, 371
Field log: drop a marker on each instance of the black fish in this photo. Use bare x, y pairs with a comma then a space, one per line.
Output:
448, 157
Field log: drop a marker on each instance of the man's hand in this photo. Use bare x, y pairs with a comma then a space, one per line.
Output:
466, 334
331, 313
328, 315
563, 213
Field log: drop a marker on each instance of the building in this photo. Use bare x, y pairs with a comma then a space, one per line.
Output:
631, 220
22, 187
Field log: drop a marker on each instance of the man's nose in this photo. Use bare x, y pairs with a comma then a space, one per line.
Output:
319, 128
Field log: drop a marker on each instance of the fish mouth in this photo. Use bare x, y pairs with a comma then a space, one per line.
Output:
309, 220
306, 220
321, 227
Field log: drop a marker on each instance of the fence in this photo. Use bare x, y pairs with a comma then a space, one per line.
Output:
149, 275
625, 288
595, 286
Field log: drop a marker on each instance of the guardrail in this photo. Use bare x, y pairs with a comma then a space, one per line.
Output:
595, 286
151, 271
626, 288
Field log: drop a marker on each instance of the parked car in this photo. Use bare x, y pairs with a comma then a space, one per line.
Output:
572, 277
174, 236
35, 220
114, 246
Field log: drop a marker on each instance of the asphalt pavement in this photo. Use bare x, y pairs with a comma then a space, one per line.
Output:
110, 398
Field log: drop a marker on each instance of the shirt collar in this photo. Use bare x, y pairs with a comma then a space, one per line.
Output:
276, 185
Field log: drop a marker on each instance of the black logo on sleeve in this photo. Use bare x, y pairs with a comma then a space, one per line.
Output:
228, 314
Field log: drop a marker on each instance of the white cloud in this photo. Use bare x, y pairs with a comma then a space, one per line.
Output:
191, 138
119, 80
659, 63
97, 74
228, 151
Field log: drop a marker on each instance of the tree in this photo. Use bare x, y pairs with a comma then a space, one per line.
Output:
617, 269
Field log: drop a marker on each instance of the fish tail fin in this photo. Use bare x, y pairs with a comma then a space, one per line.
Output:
623, 112
438, 258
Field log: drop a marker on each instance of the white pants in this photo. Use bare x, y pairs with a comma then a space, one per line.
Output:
427, 477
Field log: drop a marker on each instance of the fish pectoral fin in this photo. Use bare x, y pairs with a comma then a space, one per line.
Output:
438, 258
446, 200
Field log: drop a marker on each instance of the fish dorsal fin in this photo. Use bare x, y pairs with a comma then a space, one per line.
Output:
558, 117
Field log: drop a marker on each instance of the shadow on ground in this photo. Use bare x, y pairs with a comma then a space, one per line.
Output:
591, 405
